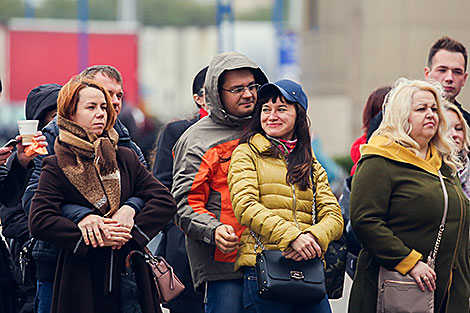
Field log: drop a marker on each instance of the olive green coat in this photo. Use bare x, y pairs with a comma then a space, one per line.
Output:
276, 211
396, 207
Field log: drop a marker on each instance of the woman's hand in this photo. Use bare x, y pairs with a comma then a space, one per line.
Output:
305, 246
290, 253
5, 153
125, 216
424, 275
94, 227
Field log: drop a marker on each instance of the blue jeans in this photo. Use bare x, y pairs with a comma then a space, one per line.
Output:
43, 299
224, 296
255, 304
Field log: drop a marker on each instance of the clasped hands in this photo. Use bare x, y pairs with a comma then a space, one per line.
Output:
304, 247
111, 232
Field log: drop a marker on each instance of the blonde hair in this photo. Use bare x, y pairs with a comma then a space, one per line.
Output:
397, 109
466, 131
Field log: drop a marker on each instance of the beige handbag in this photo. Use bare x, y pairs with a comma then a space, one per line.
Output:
399, 293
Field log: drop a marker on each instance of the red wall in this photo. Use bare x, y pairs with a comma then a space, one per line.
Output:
52, 57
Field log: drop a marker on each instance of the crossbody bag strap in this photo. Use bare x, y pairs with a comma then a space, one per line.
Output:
433, 255
314, 202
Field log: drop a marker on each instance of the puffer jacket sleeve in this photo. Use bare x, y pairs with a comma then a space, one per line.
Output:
191, 172
245, 194
329, 220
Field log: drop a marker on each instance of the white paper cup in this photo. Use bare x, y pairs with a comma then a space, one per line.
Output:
27, 130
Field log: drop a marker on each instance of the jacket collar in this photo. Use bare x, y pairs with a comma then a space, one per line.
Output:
384, 147
261, 143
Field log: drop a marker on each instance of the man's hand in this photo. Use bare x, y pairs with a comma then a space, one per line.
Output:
225, 239
22, 157
125, 216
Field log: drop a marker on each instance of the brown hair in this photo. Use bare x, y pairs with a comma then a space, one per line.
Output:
106, 70
69, 97
301, 158
449, 44
373, 106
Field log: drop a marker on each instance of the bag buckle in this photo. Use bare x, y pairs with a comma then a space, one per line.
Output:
297, 275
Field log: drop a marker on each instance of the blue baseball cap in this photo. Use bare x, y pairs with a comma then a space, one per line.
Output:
291, 90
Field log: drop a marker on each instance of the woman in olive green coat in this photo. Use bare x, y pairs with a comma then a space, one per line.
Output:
397, 202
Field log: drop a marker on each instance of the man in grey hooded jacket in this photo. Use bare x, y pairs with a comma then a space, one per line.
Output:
202, 158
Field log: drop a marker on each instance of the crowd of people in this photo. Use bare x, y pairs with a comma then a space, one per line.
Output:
238, 177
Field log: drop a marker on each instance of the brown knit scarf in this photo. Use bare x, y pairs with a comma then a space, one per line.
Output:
89, 163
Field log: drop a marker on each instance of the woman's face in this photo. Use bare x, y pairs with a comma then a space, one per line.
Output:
91, 110
456, 129
423, 117
278, 119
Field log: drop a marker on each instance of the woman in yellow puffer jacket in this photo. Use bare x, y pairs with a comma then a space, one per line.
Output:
270, 182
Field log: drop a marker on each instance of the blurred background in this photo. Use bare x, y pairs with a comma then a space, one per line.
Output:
338, 50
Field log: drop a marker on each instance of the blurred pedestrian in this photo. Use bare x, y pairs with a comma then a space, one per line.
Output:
13, 181
172, 245
41, 105
372, 108
459, 132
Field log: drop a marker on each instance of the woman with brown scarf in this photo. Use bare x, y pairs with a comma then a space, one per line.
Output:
90, 170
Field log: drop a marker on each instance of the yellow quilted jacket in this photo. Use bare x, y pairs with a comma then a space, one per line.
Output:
276, 211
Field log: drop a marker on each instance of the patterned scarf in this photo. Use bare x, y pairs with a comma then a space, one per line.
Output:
464, 174
89, 162
285, 146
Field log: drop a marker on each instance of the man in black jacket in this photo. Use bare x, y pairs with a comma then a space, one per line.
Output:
172, 245
41, 105
13, 180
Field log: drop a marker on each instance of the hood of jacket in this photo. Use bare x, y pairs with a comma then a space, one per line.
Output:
384, 147
41, 100
225, 62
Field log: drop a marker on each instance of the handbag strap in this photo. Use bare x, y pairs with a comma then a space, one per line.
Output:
258, 242
314, 202
433, 255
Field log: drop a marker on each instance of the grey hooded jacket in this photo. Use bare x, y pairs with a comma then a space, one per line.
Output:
202, 158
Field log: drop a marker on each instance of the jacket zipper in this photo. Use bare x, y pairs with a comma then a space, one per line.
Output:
462, 216
295, 206
110, 287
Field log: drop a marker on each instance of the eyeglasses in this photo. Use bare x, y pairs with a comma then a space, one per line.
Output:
239, 90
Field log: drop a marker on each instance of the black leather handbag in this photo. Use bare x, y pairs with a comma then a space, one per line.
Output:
286, 279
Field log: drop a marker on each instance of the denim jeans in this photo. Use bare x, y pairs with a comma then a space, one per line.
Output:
255, 304
43, 299
224, 296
